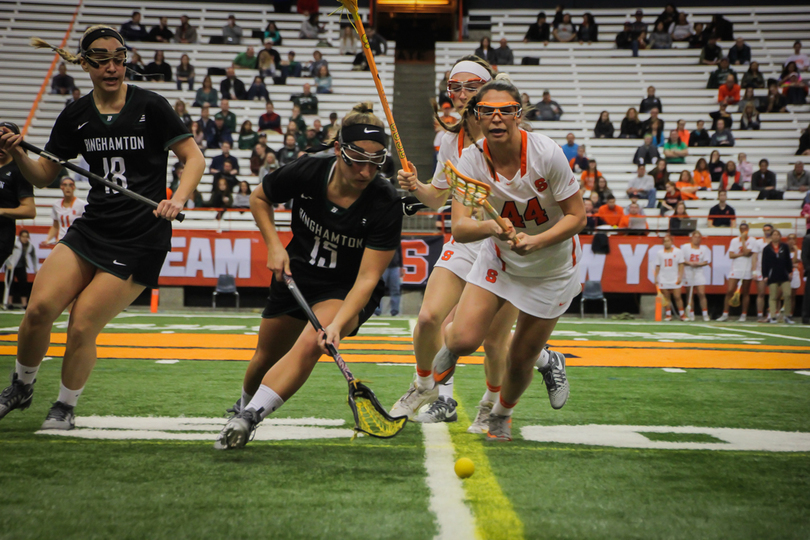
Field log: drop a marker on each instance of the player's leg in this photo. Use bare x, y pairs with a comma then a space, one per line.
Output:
103, 298
676, 294
761, 288
667, 293
788, 301
732, 288
704, 303
62, 276
745, 298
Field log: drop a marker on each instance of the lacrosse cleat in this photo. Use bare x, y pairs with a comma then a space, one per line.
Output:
413, 400
556, 381
239, 430
481, 422
16, 396
441, 410
60, 417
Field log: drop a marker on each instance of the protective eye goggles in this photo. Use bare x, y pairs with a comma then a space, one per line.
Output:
101, 57
354, 155
471, 87
510, 108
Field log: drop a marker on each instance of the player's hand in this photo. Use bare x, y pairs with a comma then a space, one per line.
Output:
278, 262
523, 244
168, 209
408, 180
503, 234
330, 334
9, 141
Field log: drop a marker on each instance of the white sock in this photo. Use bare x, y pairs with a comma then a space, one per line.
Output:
705, 312
426, 382
680, 312
446, 389
245, 398
669, 313
500, 409
491, 396
542, 360
26, 374
68, 396
265, 401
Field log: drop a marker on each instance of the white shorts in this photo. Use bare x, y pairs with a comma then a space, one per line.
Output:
459, 258
692, 277
741, 274
669, 286
795, 279
545, 298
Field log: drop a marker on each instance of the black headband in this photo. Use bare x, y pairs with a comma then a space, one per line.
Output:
100, 33
362, 132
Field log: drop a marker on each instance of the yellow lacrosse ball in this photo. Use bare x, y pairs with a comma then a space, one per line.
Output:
464, 468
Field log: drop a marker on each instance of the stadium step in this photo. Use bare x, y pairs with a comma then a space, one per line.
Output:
413, 89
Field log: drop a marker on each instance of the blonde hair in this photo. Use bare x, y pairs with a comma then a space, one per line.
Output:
68, 56
362, 113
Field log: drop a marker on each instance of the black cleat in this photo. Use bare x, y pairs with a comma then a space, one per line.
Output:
61, 417
16, 396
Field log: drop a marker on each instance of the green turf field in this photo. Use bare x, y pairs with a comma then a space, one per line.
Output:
163, 486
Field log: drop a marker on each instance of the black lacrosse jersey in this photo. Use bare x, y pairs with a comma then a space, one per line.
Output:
129, 148
13, 188
328, 240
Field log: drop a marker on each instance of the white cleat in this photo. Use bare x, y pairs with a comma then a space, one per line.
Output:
723, 317
413, 400
481, 422
556, 381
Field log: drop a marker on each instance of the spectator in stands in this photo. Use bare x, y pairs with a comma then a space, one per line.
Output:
589, 177
132, 29
686, 185
745, 168
647, 153
753, 78
774, 102
270, 120
631, 125
723, 136
750, 117
699, 39
675, 221
241, 199
180, 109
485, 51
158, 70
802, 61
206, 122
62, 83
311, 27
804, 145
604, 127
206, 94
288, 152
330, 132
716, 166
671, 198
185, 33
740, 53
681, 30
185, 73
376, 42
723, 114
323, 82
722, 209
729, 93
699, 137
221, 195
650, 102
668, 16
269, 61
227, 115
558, 16
565, 31
246, 60
747, 98
592, 220
675, 150
300, 139
231, 32
270, 164
538, 31
642, 186
579, 162
291, 67
247, 137
798, 179
318, 129
311, 139
721, 27
135, 67
596, 202
720, 75
219, 134
683, 133
75, 95
348, 41
218, 162
610, 212
160, 32
639, 29
318, 61
272, 34
570, 147
793, 87
257, 157
199, 136
258, 90
731, 177
633, 211
701, 175
298, 120
660, 37
626, 39
777, 270
763, 179
654, 126
503, 54
306, 100
547, 109
711, 54
228, 173
231, 87
588, 30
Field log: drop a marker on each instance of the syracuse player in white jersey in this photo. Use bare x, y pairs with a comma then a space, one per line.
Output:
448, 277
536, 270
669, 276
64, 212
740, 251
796, 276
762, 285
695, 258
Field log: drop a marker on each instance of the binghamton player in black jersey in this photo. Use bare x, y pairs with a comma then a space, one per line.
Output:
117, 248
346, 225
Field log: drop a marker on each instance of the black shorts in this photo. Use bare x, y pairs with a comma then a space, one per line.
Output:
281, 301
143, 265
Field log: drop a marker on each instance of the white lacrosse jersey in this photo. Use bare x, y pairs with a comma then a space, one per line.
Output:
700, 254
452, 144
760, 244
529, 200
742, 264
667, 263
67, 215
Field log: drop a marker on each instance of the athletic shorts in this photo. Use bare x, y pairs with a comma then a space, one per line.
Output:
741, 274
669, 286
459, 258
795, 279
143, 265
693, 277
281, 301
545, 298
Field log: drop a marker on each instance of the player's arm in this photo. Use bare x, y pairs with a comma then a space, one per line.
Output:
278, 261
657, 270
53, 232
466, 229
26, 210
680, 273
572, 222
189, 154
39, 173
427, 194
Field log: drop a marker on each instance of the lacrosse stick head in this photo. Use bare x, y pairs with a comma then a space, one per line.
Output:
369, 415
349, 5
466, 190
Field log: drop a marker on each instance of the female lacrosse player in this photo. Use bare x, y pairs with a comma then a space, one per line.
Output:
740, 251
695, 259
534, 189
346, 225
116, 249
450, 272
669, 276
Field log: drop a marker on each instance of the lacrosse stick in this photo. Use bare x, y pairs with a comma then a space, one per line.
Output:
735, 299
8, 278
369, 415
351, 7
68, 165
689, 303
473, 193
661, 297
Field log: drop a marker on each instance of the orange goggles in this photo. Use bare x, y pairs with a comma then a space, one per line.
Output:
471, 87
509, 108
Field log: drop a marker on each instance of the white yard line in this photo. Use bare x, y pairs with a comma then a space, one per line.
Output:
736, 329
453, 517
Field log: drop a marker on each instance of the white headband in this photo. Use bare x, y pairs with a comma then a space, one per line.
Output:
466, 66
